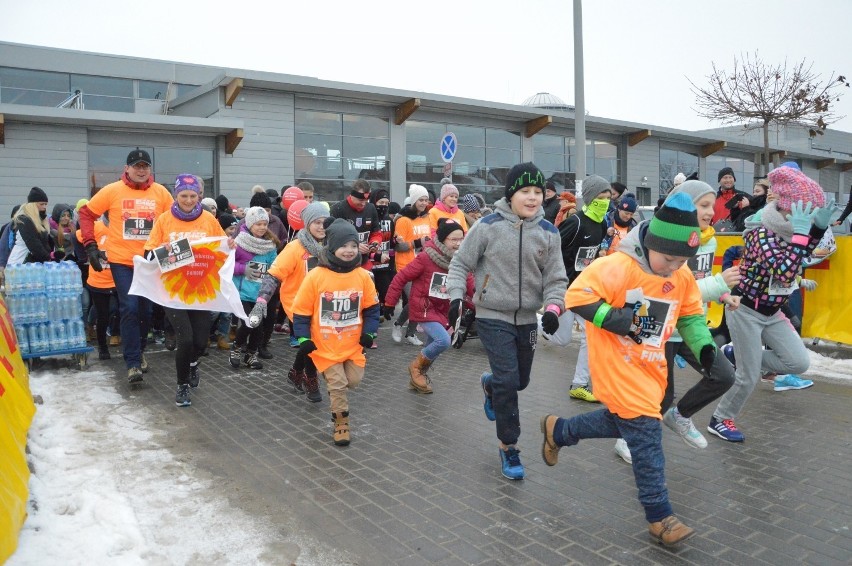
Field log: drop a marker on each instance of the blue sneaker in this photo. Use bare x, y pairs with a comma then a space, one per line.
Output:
725, 429
488, 406
511, 463
791, 381
728, 350
294, 342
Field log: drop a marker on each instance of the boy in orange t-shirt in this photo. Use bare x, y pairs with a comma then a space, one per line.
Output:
335, 316
632, 302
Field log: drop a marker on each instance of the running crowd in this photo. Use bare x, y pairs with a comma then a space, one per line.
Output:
534, 264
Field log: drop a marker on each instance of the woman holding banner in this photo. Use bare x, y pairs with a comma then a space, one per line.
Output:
173, 230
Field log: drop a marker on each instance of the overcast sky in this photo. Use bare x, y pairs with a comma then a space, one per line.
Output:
638, 54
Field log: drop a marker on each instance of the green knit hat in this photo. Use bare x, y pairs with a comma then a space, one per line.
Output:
674, 229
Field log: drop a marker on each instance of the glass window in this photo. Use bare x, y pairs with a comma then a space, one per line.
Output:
673, 162
34, 80
308, 121
424, 132
366, 126
467, 136
153, 90
502, 138
602, 159
89, 84
543, 143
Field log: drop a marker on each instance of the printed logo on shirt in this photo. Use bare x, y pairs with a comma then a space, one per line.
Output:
667, 287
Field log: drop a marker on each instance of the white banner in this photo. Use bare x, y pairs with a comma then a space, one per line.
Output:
206, 284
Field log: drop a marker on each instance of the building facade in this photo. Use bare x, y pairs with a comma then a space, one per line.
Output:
68, 119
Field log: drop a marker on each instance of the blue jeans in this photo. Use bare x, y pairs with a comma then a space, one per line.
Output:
221, 323
510, 350
135, 314
644, 436
437, 340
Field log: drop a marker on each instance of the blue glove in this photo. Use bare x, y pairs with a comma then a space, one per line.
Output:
801, 217
822, 216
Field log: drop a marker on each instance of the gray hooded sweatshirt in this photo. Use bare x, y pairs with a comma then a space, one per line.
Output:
517, 266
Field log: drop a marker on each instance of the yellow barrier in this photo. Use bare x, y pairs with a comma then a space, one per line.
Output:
16, 414
827, 310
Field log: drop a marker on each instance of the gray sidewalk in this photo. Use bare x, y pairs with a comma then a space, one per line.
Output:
421, 483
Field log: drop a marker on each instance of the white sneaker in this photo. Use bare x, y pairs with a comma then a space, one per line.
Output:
684, 427
414, 340
623, 451
396, 333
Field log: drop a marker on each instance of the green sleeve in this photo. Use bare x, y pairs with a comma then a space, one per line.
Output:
693, 329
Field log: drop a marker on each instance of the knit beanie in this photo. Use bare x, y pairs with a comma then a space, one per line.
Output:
674, 229
80, 204
726, 171
791, 185
338, 233
37, 195
378, 195
679, 178
187, 182
694, 189
524, 175
627, 204
447, 226
223, 204
228, 220
261, 199
312, 212
417, 192
468, 203
255, 214
273, 195
593, 185
792, 164
447, 190
209, 205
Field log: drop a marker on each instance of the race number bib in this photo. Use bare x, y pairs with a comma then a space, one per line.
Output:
174, 255
137, 228
340, 309
701, 265
438, 286
778, 288
259, 268
585, 256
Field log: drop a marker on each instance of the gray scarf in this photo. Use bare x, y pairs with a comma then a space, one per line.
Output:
311, 244
253, 244
440, 254
772, 219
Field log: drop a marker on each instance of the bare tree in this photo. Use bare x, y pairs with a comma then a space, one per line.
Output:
761, 94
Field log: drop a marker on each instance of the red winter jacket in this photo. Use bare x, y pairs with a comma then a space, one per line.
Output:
429, 300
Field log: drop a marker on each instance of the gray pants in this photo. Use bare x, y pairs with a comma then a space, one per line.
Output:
749, 331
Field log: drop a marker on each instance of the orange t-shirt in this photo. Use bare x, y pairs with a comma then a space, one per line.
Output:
336, 302
131, 217
290, 268
619, 234
630, 378
410, 230
436, 214
167, 229
99, 279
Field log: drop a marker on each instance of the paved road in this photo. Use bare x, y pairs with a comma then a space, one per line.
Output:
420, 483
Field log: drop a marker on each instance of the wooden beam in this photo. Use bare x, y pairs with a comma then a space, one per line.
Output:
2, 130
822, 164
232, 140
637, 137
536, 125
232, 91
405, 110
846, 167
711, 148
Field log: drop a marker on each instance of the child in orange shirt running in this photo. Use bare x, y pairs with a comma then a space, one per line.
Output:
335, 316
632, 301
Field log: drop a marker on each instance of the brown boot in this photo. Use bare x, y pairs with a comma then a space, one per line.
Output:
670, 531
549, 449
341, 428
310, 384
419, 380
222, 343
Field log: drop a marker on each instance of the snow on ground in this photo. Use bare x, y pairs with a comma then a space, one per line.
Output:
105, 490
828, 368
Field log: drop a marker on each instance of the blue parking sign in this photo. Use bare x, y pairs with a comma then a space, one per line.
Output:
449, 145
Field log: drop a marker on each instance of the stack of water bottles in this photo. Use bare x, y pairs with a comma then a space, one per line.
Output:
44, 299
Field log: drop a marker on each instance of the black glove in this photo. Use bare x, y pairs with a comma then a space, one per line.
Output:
94, 256
550, 322
707, 357
58, 255
366, 340
455, 310
307, 347
387, 311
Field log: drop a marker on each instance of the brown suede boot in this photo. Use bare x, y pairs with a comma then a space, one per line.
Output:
341, 428
549, 449
669, 531
419, 380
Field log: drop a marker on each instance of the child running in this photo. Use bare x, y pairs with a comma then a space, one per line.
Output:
632, 301
336, 316
515, 256
429, 302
